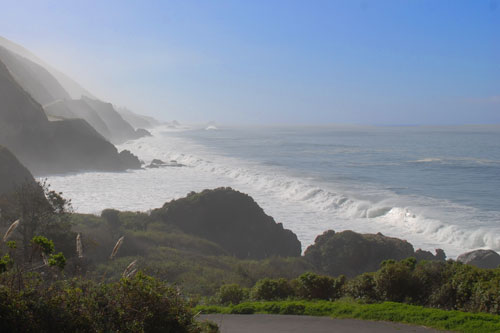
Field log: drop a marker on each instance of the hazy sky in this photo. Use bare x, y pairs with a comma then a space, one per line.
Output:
374, 62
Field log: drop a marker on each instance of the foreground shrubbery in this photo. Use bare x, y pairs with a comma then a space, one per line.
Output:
386, 311
29, 303
447, 285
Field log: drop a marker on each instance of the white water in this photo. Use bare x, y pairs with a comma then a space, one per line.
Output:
304, 205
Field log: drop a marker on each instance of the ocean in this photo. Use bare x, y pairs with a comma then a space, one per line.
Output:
437, 187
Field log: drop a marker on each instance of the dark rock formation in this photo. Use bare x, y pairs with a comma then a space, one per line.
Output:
480, 258
160, 164
141, 132
232, 220
351, 253
12, 172
426, 255
130, 159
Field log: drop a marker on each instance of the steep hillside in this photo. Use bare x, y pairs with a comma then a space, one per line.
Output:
35, 79
70, 86
12, 172
71, 109
50, 147
120, 130
137, 120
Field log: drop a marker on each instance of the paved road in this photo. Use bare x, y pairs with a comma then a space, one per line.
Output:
262, 323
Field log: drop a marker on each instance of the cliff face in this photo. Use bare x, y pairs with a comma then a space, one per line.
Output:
351, 253
12, 172
137, 120
73, 109
49, 147
232, 220
119, 129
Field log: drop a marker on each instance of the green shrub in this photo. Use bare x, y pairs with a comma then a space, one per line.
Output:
243, 309
314, 286
362, 287
140, 304
231, 294
268, 289
394, 281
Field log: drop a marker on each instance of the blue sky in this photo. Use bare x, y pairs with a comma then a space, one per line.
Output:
315, 62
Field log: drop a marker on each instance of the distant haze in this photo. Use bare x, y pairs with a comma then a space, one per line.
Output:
365, 62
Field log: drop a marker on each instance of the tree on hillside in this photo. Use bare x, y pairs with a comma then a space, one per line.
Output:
41, 211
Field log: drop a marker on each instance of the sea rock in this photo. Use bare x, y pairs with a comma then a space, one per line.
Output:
156, 163
351, 253
141, 132
129, 160
233, 220
427, 255
480, 258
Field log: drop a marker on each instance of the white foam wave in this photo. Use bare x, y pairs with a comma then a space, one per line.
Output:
335, 206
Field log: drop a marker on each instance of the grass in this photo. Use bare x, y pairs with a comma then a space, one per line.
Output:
387, 311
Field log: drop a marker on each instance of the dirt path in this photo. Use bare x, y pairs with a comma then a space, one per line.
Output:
261, 323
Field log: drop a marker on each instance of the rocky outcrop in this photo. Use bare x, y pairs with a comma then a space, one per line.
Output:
130, 159
142, 132
351, 253
232, 220
12, 172
156, 163
480, 258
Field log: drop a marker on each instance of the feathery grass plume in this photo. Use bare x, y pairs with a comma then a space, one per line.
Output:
117, 247
130, 270
11, 229
79, 248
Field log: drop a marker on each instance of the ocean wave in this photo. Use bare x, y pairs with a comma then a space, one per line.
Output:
458, 161
422, 220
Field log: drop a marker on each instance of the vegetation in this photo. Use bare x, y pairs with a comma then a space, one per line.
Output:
232, 220
350, 253
81, 305
134, 260
387, 311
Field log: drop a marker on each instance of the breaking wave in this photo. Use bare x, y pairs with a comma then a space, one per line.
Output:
424, 221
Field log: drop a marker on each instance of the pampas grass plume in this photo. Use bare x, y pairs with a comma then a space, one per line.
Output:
117, 247
11, 229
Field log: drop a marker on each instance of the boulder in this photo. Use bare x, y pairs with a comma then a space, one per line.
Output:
480, 258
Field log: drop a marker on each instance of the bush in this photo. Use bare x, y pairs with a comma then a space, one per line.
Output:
395, 282
314, 286
141, 304
362, 287
269, 290
231, 294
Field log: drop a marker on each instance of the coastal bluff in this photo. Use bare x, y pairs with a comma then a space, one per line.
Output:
233, 220
351, 253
